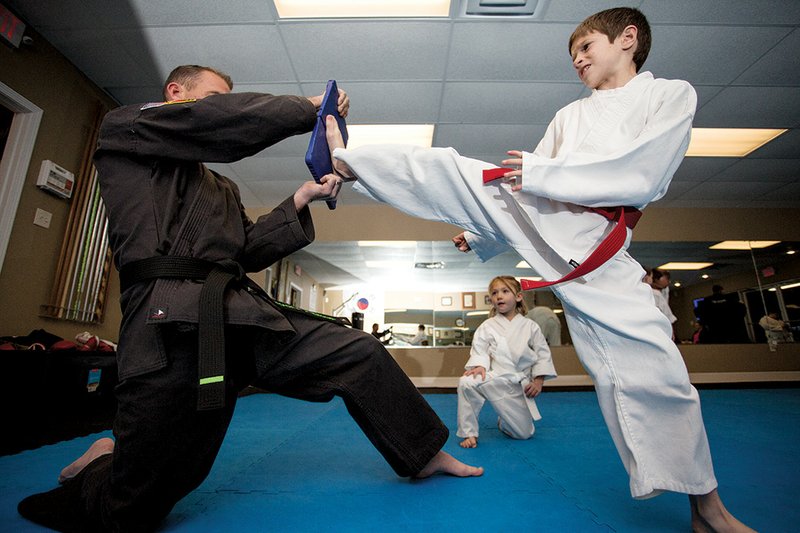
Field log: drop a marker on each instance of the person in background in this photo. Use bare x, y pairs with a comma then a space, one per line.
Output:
420, 337
508, 363
548, 322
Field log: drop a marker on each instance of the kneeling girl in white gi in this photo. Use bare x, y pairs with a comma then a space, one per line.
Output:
509, 361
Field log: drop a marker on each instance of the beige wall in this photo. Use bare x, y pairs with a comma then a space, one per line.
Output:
729, 363
70, 104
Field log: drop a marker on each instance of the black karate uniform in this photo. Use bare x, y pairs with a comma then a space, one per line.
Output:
162, 201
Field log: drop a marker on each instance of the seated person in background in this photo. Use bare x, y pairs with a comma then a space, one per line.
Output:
420, 337
509, 361
380, 334
548, 322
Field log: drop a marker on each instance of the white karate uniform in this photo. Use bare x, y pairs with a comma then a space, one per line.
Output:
513, 352
616, 147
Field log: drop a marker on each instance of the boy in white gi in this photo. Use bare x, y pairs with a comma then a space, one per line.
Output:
618, 147
508, 363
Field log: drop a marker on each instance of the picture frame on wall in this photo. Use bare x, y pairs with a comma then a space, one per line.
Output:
468, 300
447, 301
487, 300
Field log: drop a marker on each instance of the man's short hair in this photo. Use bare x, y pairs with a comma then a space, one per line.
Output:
187, 76
611, 22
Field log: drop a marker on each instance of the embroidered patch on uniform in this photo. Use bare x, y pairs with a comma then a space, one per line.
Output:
151, 105
574, 264
158, 313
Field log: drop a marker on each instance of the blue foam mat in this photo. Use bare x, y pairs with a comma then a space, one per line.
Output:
292, 466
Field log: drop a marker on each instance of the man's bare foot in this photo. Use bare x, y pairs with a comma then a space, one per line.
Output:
710, 516
445, 463
469, 442
98, 448
335, 140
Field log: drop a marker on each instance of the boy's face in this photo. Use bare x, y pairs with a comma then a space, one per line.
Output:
601, 64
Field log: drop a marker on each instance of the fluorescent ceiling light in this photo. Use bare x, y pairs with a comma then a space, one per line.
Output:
742, 245
362, 8
413, 134
388, 244
728, 142
790, 286
677, 265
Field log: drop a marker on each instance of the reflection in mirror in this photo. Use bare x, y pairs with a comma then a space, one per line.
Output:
401, 285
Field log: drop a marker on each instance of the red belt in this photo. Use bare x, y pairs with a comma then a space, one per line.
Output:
624, 216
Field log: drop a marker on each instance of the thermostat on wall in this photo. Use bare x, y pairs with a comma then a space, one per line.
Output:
57, 180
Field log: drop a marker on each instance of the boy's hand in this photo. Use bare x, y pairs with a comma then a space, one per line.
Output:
328, 188
461, 243
515, 175
478, 370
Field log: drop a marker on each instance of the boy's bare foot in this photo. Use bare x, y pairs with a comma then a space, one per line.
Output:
710, 516
98, 448
469, 442
334, 137
445, 463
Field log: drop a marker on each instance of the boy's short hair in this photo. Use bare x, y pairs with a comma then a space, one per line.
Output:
611, 22
187, 75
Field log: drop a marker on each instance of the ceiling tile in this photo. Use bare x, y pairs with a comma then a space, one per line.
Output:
474, 140
776, 67
221, 47
505, 103
360, 50
703, 55
742, 12
158, 12
730, 190
697, 169
401, 102
751, 107
761, 170
784, 147
510, 50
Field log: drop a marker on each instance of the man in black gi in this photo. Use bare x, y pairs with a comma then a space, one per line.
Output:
195, 331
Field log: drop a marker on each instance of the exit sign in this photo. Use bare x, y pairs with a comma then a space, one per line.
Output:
11, 28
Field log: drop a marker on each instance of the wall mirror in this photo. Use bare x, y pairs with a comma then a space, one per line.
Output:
403, 284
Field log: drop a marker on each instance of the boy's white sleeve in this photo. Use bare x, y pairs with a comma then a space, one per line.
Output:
485, 247
634, 175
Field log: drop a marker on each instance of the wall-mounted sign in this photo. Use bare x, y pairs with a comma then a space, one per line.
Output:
11, 27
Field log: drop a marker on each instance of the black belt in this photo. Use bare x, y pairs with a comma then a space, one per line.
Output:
211, 320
